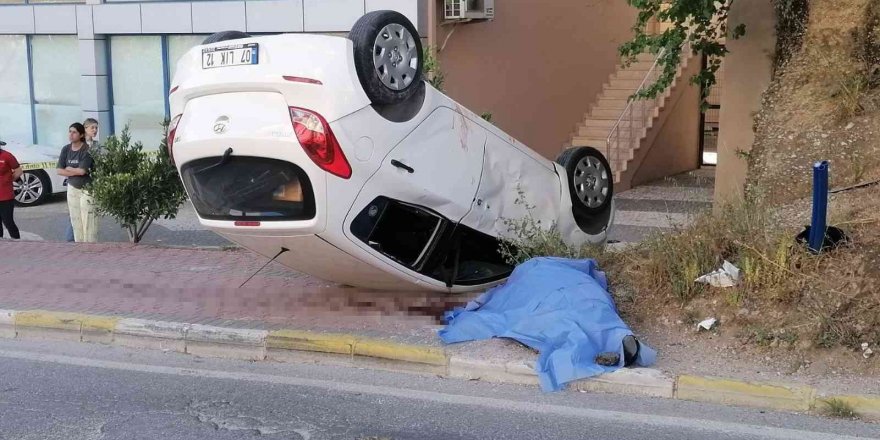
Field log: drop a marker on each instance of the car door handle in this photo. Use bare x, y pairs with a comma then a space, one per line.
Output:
402, 166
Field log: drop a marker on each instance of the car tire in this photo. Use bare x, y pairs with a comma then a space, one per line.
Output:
590, 180
225, 36
387, 56
32, 188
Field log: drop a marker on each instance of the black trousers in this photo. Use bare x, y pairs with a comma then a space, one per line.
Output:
6, 208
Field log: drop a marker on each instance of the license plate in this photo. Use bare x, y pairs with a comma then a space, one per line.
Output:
226, 56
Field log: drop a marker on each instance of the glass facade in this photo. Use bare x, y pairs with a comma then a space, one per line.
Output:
42, 85
56, 76
178, 45
139, 95
138, 87
15, 94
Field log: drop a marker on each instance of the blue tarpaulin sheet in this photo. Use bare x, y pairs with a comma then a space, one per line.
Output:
557, 306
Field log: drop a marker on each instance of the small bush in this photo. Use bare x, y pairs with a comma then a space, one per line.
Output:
840, 409
135, 187
527, 238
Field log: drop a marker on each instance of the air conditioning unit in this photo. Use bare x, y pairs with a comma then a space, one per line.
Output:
466, 10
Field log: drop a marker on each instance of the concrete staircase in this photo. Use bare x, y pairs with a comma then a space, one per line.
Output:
617, 126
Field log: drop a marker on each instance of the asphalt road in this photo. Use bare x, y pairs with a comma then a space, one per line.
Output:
49, 220
54, 391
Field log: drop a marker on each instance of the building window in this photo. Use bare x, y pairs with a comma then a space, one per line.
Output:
178, 45
56, 76
15, 94
138, 87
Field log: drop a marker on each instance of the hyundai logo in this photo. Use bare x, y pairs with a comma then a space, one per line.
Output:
221, 124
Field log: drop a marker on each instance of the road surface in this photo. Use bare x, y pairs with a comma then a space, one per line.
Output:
77, 391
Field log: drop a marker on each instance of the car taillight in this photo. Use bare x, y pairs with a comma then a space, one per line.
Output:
320, 143
172, 130
246, 223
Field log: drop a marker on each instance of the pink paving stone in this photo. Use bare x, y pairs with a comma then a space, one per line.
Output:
200, 285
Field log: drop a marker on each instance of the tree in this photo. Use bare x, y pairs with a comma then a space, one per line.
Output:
136, 187
702, 23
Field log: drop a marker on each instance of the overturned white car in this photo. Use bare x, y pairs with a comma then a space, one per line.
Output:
335, 156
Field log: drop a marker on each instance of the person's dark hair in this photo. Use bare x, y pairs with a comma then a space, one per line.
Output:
79, 128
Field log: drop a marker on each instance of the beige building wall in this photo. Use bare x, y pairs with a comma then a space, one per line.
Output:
537, 67
747, 73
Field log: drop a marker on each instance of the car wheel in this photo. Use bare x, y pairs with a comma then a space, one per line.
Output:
590, 180
225, 36
387, 56
32, 188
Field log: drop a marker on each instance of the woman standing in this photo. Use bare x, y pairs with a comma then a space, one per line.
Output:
10, 170
75, 163
91, 141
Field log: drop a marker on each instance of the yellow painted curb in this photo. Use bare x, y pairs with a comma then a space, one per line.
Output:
310, 341
735, 392
401, 352
95, 323
868, 406
49, 320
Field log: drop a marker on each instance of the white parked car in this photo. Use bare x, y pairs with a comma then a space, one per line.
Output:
334, 155
39, 180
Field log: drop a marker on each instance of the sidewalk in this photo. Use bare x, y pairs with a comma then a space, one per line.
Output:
188, 300
202, 286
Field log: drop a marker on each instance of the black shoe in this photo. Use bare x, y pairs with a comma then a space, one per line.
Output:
631, 348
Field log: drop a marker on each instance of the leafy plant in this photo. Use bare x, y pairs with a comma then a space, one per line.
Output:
702, 23
528, 238
136, 187
432, 69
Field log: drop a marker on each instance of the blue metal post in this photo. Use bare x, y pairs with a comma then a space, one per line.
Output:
820, 206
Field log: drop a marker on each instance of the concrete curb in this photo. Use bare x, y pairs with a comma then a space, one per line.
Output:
734, 392
251, 344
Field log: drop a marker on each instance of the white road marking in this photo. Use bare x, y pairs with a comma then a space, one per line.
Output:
708, 426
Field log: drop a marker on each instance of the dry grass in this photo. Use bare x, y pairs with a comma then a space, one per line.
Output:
839, 409
827, 300
824, 104
744, 233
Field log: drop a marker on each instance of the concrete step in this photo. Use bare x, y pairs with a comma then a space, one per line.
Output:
632, 74
603, 113
639, 65
646, 57
616, 103
596, 142
608, 123
629, 84
603, 133
593, 132
608, 92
